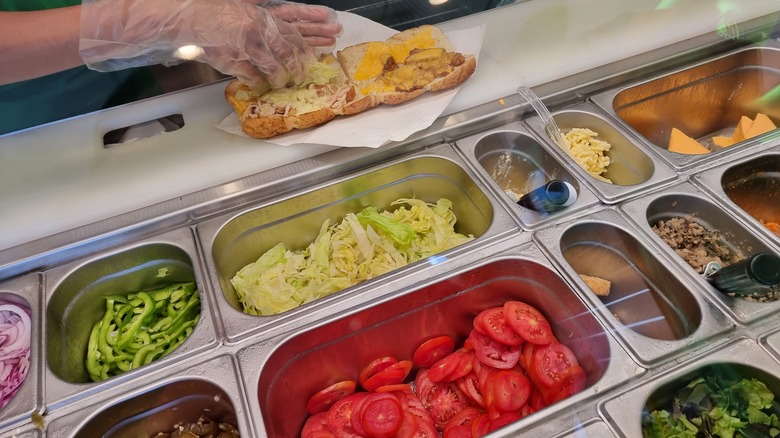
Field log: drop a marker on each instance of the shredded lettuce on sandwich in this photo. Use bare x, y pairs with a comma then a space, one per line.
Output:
322, 81
360, 247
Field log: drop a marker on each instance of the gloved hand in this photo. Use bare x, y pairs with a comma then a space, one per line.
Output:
235, 37
318, 25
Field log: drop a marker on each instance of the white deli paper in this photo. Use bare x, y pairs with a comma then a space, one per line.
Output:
384, 123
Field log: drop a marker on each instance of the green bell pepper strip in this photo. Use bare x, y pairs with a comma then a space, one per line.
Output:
191, 305
164, 294
123, 314
175, 334
128, 332
182, 338
184, 290
156, 354
93, 355
105, 326
112, 335
123, 365
138, 359
104, 369
161, 325
117, 298
144, 337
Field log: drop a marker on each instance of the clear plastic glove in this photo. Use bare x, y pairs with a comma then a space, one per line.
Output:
236, 37
318, 25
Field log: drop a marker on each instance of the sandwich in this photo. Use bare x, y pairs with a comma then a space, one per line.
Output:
356, 79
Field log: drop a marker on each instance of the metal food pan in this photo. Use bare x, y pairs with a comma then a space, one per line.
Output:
531, 166
25, 292
580, 421
702, 100
743, 357
26, 431
682, 200
654, 310
285, 372
633, 169
771, 341
143, 409
749, 187
232, 241
74, 302
594, 429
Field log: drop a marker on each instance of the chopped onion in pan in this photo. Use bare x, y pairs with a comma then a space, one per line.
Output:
14, 350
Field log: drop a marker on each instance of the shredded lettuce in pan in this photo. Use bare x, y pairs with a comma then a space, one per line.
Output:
717, 406
360, 247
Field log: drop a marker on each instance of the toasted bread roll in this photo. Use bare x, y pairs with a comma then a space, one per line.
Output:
363, 76
406, 65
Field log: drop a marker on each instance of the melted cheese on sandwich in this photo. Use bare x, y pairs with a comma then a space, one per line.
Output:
419, 69
377, 54
323, 80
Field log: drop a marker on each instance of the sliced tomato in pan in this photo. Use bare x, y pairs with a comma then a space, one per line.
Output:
480, 426
443, 368
569, 383
394, 388
453, 366
503, 419
526, 357
316, 426
380, 415
374, 367
392, 375
322, 400
409, 427
551, 363
433, 350
458, 432
463, 418
354, 419
510, 391
469, 385
491, 322
536, 400
340, 415
443, 401
422, 383
425, 427
528, 322
493, 353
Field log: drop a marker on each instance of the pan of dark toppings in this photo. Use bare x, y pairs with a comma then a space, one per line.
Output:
203, 428
696, 244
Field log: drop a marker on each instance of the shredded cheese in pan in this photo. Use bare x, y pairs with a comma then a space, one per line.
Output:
588, 151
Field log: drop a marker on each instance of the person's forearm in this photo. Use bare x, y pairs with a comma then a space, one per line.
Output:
38, 43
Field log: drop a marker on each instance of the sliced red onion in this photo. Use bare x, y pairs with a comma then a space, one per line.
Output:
15, 329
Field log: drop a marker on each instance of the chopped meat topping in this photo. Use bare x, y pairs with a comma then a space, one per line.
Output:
390, 64
203, 428
457, 59
694, 243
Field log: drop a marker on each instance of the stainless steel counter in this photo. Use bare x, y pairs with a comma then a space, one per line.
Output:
63, 170
201, 203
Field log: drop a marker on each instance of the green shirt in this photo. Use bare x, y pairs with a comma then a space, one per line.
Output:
69, 93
